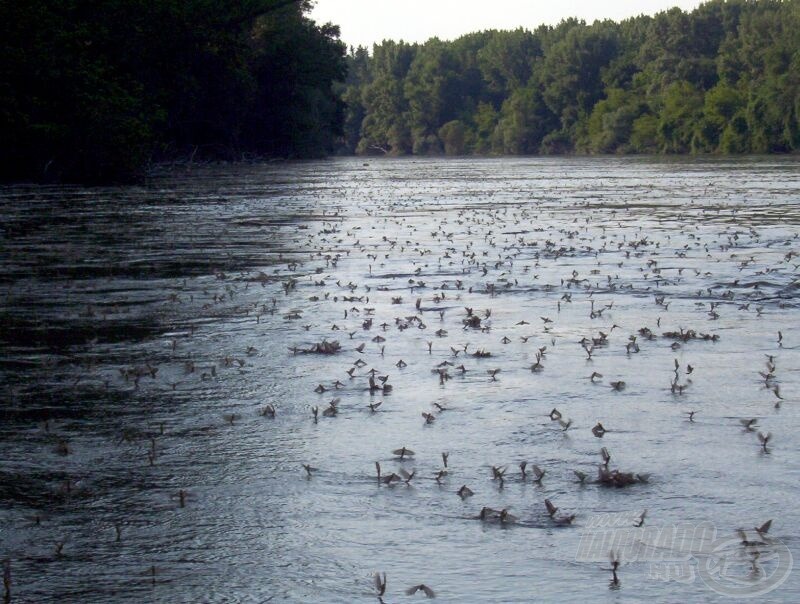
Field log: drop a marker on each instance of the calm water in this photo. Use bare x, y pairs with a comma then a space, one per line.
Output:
144, 330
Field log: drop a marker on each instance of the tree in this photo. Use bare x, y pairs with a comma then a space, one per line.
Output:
724, 78
455, 137
683, 106
91, 90
525, 120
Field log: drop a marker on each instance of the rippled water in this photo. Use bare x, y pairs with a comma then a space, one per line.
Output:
144, 330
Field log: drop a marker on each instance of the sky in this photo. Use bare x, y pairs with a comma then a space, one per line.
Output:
364, 22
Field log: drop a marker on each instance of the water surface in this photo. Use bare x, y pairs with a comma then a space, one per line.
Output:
145, 329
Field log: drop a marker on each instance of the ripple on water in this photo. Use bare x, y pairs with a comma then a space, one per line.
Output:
145, 329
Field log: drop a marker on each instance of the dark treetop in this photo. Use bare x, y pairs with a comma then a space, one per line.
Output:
94, 90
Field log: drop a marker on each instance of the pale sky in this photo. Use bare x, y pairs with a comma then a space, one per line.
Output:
367, 21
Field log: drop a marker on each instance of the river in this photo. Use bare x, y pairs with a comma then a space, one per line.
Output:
149, 331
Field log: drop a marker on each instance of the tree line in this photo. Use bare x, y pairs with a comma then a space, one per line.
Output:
724, 78
95, 90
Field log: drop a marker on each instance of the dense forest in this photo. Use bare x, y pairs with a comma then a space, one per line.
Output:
724, 78
95, 90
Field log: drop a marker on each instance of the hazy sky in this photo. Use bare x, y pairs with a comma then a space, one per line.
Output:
367, 21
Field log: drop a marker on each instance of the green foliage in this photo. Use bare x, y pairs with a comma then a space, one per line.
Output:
95, 90
721, 104
680, 116
610, 125
644, 134
385, 126
485, 119
92, 90
455, 137
524, 121
506, 61
571, 70
724, 78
